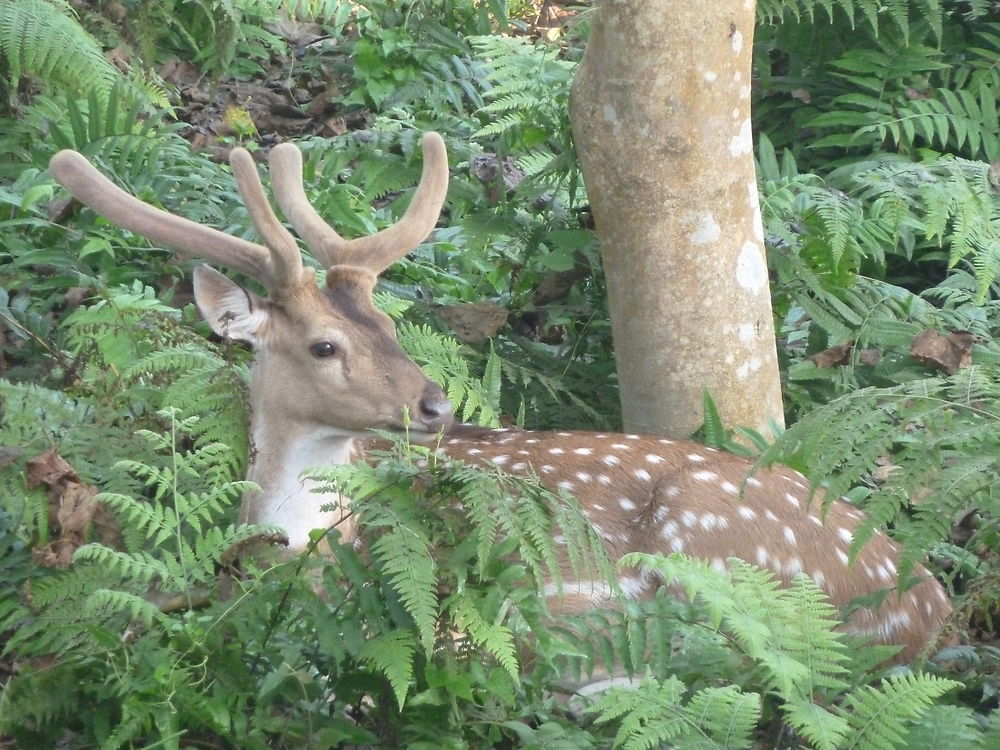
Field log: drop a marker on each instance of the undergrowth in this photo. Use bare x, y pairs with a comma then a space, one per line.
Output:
877, 141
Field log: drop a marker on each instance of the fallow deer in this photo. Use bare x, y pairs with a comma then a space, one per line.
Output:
328, 370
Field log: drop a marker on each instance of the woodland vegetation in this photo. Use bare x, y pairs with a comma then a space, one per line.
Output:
125, 619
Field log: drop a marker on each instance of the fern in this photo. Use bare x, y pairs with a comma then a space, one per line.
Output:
656, 713
787, 632
392, 654
40, 37
496, 640
876, 14
877, 716
942, 725
529, 95
405, 558
938, 433
441, 359
429, 562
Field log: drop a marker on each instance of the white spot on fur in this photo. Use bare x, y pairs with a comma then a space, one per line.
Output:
625, 504
705, 476
631, 587
582, 451
642, 474
747, 512
595, 590
611, 460
654, 459
790, 536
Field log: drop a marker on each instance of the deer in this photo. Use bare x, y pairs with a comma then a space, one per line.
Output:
328, 370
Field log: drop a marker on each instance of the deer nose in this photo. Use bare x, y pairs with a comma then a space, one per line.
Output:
435, 408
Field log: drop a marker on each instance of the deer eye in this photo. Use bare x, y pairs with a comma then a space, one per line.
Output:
322, 349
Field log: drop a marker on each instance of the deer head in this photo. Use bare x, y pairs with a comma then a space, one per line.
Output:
326, 358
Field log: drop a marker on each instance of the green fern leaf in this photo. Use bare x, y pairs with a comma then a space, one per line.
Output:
392, 654
405, 558
877, 715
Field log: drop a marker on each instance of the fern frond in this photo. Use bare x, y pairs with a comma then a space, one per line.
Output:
878, 716
40, 38
954, 727
405, 558
788, 632
392, 654
654, 714
496, 639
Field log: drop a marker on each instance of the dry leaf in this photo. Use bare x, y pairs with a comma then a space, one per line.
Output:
72, 509
948, 353
475, 321
835, 356
49, 468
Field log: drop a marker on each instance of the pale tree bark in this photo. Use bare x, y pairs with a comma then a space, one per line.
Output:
661, 118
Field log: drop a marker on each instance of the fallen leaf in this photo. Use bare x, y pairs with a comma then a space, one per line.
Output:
947, 353
475, 321
835, 356
72, 509
49, 468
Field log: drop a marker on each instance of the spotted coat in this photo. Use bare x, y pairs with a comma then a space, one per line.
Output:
648, 494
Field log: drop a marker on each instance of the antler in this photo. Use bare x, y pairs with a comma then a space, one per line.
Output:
375, 252
276, 266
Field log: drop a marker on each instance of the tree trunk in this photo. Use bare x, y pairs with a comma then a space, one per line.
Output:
661, 118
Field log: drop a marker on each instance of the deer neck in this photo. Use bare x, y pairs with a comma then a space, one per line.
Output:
279, 454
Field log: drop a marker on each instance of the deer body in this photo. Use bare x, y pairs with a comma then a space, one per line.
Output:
328, 370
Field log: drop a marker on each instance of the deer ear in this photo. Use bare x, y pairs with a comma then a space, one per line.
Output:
232, 311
